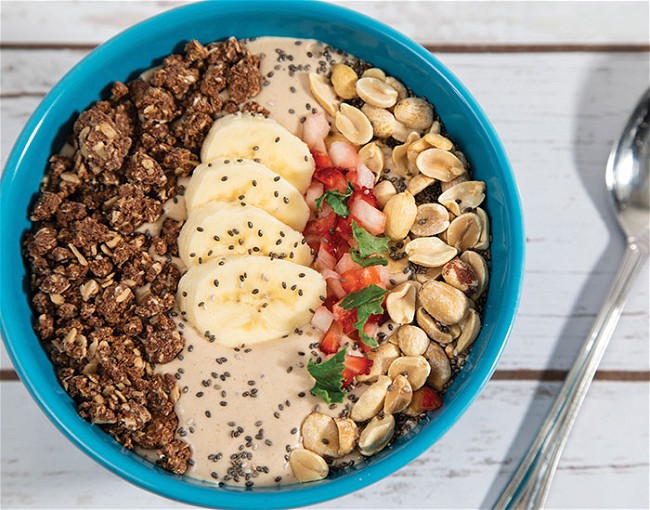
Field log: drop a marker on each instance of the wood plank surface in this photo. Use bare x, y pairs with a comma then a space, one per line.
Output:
604, 466
557, 79
79, 22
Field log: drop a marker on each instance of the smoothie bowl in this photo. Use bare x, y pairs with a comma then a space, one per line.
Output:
248, 262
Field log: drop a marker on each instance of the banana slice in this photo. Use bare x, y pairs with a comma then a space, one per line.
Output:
219, 229
246, 180
249, 299
254, 137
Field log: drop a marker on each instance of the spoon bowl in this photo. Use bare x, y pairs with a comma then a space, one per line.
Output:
627, 173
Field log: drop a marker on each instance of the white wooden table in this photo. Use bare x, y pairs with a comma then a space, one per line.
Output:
558, 81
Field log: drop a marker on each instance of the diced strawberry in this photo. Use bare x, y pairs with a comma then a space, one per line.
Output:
344, 155
346, 264
367, 216
332, 178
334, 288
315, 190
344, 228
322, 226
324, 259
331, 341
354, 366
365, 177
335, 245
321, 159
346, 318
314, 130
371, 329
384, 275
425, 399
357, 279
330, 301
366, 195
322, 318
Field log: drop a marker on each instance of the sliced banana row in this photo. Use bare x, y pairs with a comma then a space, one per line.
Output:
248, 279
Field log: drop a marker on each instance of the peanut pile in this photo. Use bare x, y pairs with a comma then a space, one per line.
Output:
438, 261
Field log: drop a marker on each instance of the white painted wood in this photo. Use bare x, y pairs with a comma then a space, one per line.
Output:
436, 22
604, 466
557, 115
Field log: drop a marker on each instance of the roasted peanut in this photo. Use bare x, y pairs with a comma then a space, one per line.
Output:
376, 435
320, 435
400, 211
344, 80
440, 367
399, 395
429, 252
412, 340
371, 401
415, 368
307, 466
444, 303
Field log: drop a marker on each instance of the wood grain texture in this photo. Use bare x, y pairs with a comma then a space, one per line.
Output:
604, 466
496, 22
557, 79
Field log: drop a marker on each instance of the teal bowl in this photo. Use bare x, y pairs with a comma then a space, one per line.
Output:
144, 45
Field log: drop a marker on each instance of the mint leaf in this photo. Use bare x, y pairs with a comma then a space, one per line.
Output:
336, 200
370, 261
369, 247
368, 244
371, 294
329, 378
368, 302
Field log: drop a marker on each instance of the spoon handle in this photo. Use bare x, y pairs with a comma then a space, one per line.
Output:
530, 483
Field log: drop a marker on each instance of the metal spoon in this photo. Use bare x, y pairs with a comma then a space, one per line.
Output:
626, 176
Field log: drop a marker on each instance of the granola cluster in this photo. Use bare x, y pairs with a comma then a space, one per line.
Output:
103, 292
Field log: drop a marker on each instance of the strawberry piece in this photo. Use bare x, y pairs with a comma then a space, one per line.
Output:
357, 279
425, 399
315, 190
366, 215
321, 159
365, 177
354, 366
332, 178
321, 226
314, 130
366, 195
344, 155
322, 318
331, 341
346, 318
346, 264
344, 228
334, 287
324, 259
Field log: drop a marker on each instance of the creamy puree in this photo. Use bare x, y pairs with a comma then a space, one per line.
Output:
240, 410
285, 66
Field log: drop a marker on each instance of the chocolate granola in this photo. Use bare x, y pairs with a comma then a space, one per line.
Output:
102, 292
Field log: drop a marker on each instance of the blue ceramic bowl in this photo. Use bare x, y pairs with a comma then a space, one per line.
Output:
142, 46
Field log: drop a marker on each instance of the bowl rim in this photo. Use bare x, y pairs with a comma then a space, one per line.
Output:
172, 486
